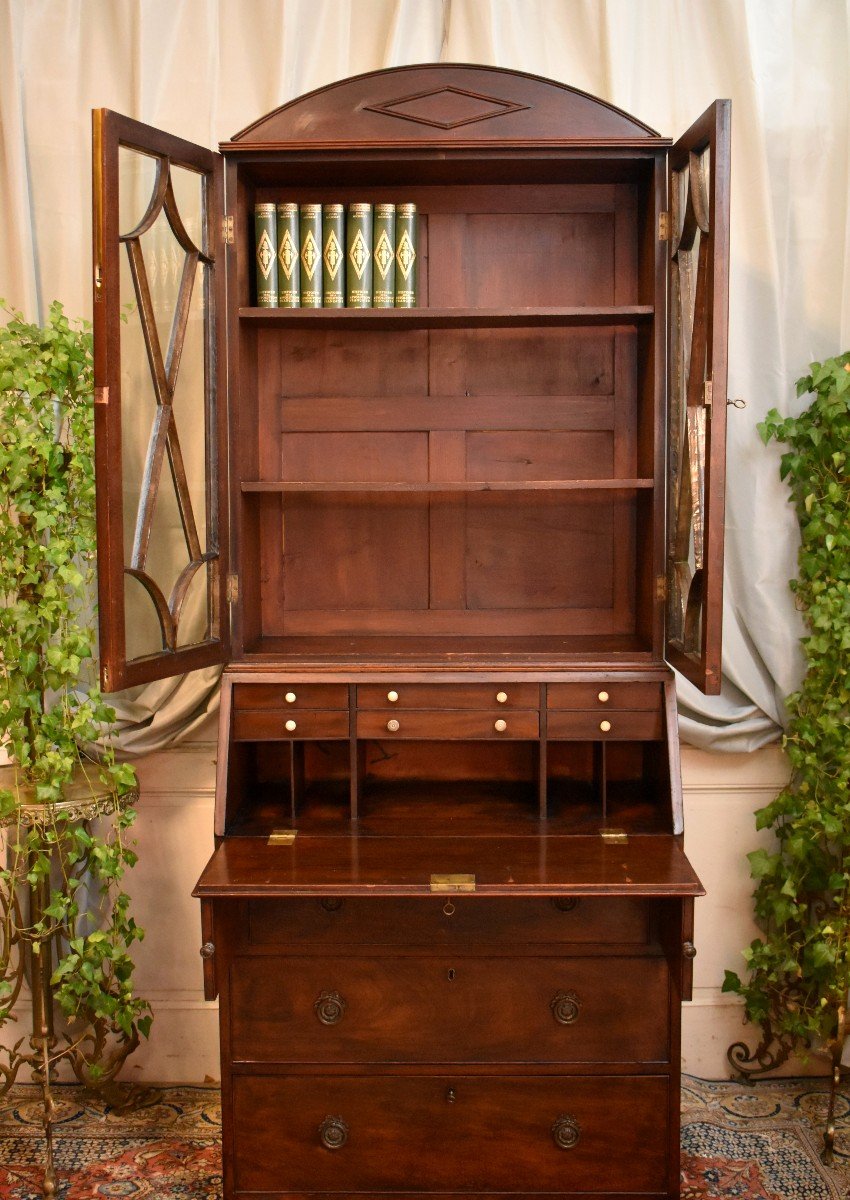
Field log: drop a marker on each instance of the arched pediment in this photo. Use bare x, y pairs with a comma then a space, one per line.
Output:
443, 104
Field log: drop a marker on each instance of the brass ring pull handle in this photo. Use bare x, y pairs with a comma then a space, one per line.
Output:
329, 1007
207, 950
565, 1007
736, 403
331, 903
333, 1133
565, 903
566, 1132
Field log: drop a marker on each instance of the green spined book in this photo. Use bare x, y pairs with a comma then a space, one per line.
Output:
265, 256
311, 255
406, 256
383, 254
333, 255
358, 253
288, 262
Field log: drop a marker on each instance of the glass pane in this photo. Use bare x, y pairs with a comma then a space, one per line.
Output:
686, 498
164, 431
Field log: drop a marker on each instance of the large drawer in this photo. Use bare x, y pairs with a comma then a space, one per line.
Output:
424, 921
612, 726
448, 726
453, 1133
449, 1009
271, 725
448, 695
290, 695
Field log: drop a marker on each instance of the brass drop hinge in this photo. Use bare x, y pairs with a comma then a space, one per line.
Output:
660, 587
707, 393
664, 227
232, 589
227, 233
452, 883
282, 837
101, 395
615, 837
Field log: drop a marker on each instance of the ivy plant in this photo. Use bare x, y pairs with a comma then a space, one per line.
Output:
50, 707
799, 969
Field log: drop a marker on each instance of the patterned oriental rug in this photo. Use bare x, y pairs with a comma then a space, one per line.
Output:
738, 1143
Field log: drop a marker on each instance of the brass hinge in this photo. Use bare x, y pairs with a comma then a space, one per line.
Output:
614, 837
660, 587
101, 395
232, 589
707, 393
664, 227
227, 233
452, 883
282, 837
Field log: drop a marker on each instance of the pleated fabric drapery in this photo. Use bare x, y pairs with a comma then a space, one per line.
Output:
205, 68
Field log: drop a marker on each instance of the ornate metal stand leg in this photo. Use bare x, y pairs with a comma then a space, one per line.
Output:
837, 1048
43, 1036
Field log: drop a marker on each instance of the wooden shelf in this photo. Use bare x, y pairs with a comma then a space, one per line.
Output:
509, 485
445, 318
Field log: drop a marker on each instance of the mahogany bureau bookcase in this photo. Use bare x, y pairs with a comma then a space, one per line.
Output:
448, 555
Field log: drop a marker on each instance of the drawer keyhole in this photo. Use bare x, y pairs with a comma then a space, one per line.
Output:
451, 1095
450, 974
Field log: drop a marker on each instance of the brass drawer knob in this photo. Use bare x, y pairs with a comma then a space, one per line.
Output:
603, 697
566, 1132
565, 1007
393, 726
291, 726
500, 726
392, 697
501, 697
333, 1133
290, 697
329, 1007
207, 950
331, 903
605, 726
689, 950
565, 903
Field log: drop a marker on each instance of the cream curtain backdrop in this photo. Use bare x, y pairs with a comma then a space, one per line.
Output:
203, 69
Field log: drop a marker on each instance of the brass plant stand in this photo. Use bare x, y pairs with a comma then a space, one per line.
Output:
84, 800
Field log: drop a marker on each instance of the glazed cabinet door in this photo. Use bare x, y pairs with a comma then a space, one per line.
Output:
160, 427
697, 338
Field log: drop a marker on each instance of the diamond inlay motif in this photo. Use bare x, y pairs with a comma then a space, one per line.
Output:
405, 255
446, 107
333, 254
265, 254
383, 254
287, 254
310, 255
359, 254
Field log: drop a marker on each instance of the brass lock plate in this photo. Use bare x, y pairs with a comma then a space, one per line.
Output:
282, 837
452, 883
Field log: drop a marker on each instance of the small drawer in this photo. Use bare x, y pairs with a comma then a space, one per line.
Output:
298, 922
448, 695
349, 1134
448, 1009
448, 726
609, 694
612, 726
277, 725
290, 695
